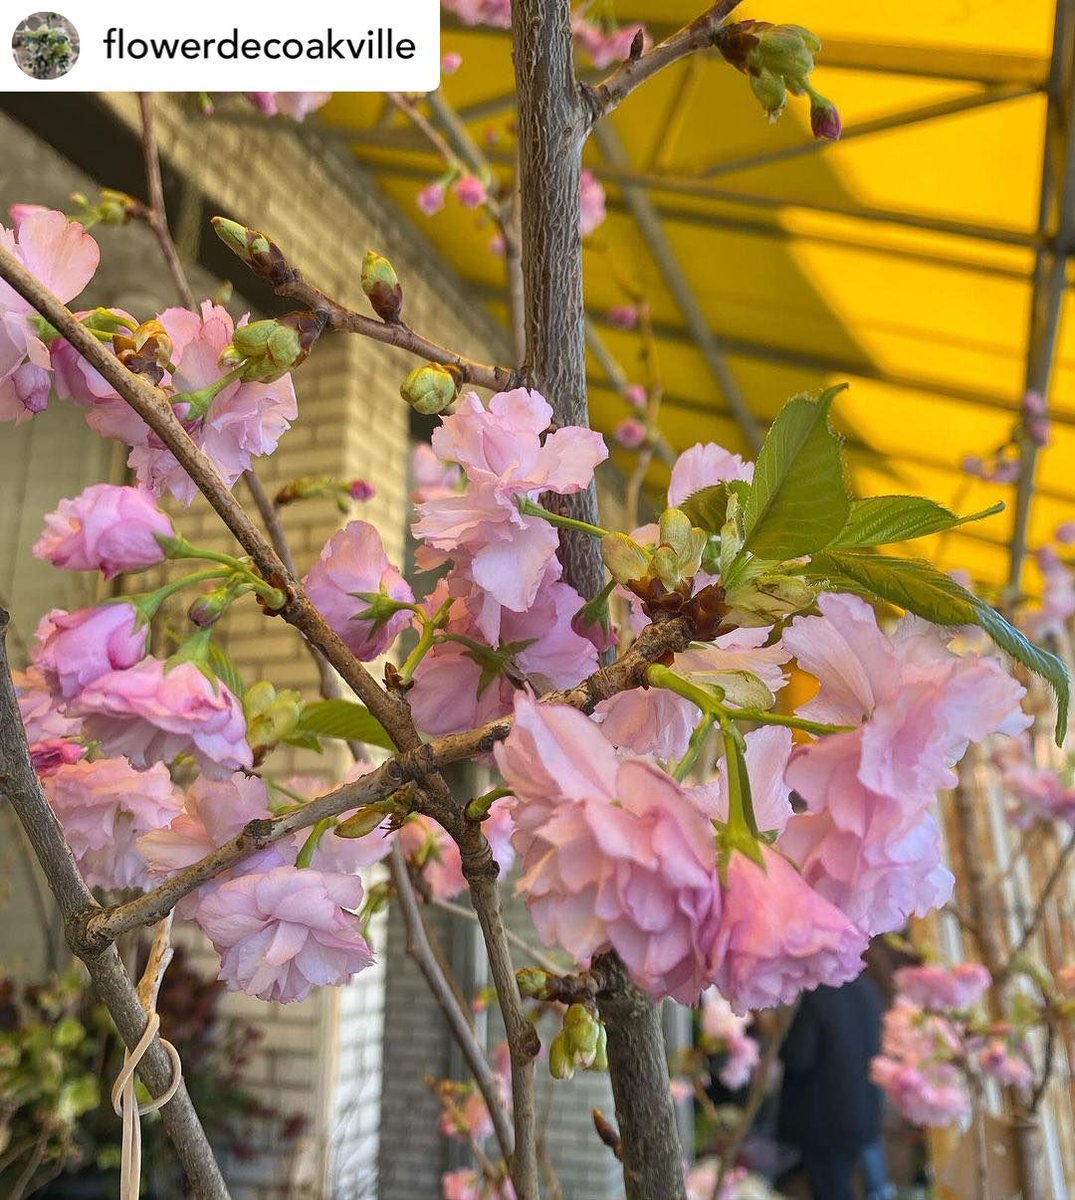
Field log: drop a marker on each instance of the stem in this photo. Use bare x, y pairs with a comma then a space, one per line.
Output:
697, 743
309, 847
157, 213
530, 508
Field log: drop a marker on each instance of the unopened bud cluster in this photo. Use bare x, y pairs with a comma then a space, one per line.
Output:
582, 1044
430, 390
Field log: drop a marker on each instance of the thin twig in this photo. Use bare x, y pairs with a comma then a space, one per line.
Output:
700, 34
531, 951
758, 1086
1032, 926
157, 214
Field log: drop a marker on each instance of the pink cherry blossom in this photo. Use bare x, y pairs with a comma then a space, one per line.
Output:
470, 191
75, 649
354, 561
49, 755
105, 528
1057, 607
450, 62
430, 478
999, 1062
41, 717
659, 722
944, 988
431, 198
150, 714
1041, 795
495, 13
615, 856
466, 1183
927, 1094
282, 932
767, 753
630, 433
458, 686
296, 105
501, 451
63, 257
104, 806
636, 396
725, 1032
779, 937
592, 196
703, 466
623, 316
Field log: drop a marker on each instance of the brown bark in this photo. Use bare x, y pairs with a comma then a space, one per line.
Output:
19, 786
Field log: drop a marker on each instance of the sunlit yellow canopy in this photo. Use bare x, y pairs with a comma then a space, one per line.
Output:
901, 259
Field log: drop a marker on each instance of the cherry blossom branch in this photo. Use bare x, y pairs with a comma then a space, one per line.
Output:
101, 925
19, 785
1038, 915
419, 949
156, 214
153, 406
700, 34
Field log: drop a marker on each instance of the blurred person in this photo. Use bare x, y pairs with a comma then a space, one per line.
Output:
829, 1109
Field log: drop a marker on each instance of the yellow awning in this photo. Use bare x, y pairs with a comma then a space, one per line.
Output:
900, 259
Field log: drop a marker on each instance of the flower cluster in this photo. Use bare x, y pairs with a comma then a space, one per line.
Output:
934, 1046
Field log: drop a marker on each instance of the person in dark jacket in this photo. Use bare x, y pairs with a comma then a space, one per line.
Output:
829, 1109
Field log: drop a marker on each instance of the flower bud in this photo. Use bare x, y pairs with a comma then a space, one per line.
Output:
625, 559
561, 1059
582, 1030
208, 609
770, 92
256, 250
382, 287
824, 118
533, 983
268, 350
365, 820
146, 350
430, 389
678, 557
788, 52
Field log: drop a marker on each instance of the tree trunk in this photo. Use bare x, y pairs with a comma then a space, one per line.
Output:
551, 134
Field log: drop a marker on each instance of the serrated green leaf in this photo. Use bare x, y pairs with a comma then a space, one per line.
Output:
708, 507
343, 719
224, 668
880, 520
798, 502
918, 587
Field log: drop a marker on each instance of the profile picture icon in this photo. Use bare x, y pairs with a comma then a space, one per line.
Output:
45, 45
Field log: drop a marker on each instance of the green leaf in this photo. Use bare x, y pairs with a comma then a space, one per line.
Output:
918, 587
223, 667
880, 520
343, 719
707, 508
798, 502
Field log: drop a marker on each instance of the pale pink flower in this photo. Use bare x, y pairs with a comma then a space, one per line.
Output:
630, 433
431, 198
353, 561
63, 257
659, 722
592, 198
504, 458
1041, 795
998, 1061
767, 754
104, 806
779, 937
430, 478
41, 718
296, 105
150, 714
470, 191
244, 421
878, 858
944, 988
933, 1093
450, 62
280, 933
74, 649
636, 395
1057, 607
466, 1183
725, 1033
105, 528
615, 856
495, 13
703, 466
